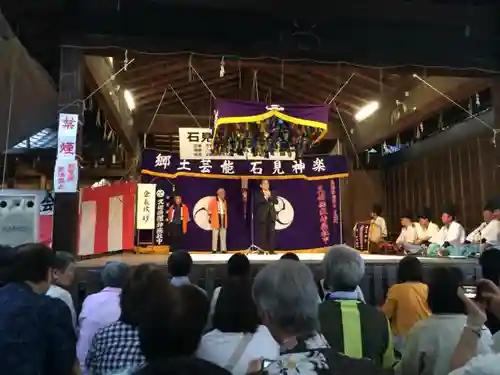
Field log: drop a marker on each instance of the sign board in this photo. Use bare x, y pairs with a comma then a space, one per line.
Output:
195, 144
146, 206
66, 175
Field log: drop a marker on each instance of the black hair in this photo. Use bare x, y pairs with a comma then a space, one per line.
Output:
443, 285
291, 256
235, 310
62, 260
450, 210
179, 264
490, 264
174, 326
407, 214
32, 262
425, 214
377, 209
145, 280
7, 254
410, 269
238, 265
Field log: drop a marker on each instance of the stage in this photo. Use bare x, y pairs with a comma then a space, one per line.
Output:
209, 269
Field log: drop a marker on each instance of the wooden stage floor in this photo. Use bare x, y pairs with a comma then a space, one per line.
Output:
212, 259
209, 269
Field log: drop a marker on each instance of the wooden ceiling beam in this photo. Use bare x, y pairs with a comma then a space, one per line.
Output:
181, 88
142, 77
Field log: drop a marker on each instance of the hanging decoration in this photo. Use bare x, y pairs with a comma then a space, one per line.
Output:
478, 100
261, 130
398, 112
398, 142
222, 68
440, 121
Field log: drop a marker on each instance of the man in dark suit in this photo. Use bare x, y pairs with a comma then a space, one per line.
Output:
265, 217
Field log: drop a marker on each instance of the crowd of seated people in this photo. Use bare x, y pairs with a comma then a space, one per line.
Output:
281, 321
423, 237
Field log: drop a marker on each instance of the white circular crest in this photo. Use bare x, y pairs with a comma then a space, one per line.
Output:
284, 213
160, 193
200, 213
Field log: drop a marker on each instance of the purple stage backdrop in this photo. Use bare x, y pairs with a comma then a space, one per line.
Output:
309, 214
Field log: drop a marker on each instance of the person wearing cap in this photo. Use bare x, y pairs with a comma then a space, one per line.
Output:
449, 239
426, 228
407, 239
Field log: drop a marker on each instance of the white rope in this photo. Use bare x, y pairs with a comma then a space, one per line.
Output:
154, 117
111, 78
339, 90
184, 105
472, 115
204, 84
13, 73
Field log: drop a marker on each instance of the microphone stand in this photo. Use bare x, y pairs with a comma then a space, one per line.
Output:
253, 248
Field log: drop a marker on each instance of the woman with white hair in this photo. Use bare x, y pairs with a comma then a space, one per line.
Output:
350, 326
286, 299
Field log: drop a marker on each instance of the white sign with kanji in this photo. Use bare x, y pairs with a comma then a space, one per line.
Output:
146, 206
67, 135
66, 176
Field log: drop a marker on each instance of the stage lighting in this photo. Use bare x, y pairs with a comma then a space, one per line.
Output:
368, 110
129, 99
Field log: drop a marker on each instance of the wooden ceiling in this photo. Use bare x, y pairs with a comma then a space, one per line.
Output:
266, 81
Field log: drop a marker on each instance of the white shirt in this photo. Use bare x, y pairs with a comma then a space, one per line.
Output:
56, 291
218, 347
380, 221
489, 231
453, 233
427, 233
220, 206
430, 344
408, 235
481, 365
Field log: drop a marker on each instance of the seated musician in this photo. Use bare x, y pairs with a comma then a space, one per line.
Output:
485, 235
449, 239
426, 228
407, 239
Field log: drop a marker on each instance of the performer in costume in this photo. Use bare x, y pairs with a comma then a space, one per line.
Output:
378, 220
378, 233
178, 218
485, 235
217, 212
450, 238
426, 228
407, 239
265, 217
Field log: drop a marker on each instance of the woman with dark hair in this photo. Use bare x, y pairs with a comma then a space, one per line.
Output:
237, 336
238, 267
170, 332
63, 275
116, 347
430, 344
406, 301
291, 256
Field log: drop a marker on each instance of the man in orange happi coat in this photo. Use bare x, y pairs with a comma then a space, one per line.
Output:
178, 218
217, 214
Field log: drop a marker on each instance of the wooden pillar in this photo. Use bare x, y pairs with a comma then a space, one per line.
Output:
495, 93
71, 92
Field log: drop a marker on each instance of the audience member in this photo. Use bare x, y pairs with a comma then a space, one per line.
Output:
238, 268
291, 256
406, 302
37, 336
62, 278
179, 266
429, 345
116, 347
6, 258
171, 332
490, 269
464, 360
286, 299
103, 308
237, 336
356, 329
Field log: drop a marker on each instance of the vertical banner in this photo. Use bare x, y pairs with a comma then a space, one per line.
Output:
66, 176
146, 206
160, 216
